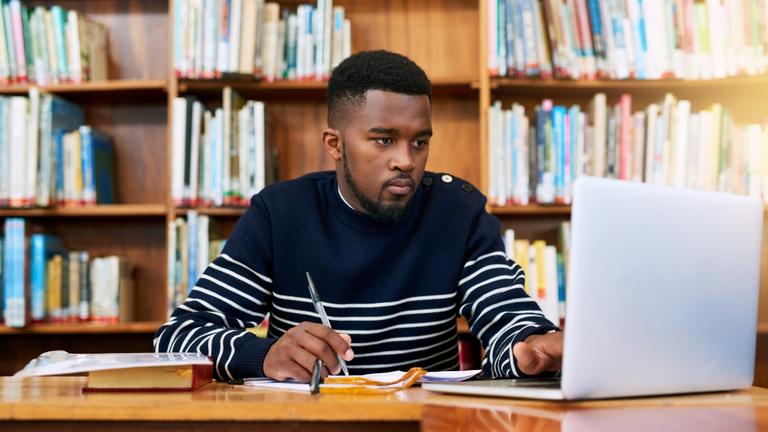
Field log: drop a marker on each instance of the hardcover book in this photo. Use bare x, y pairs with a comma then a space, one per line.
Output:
126, 371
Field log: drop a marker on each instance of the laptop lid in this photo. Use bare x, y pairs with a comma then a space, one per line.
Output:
661, 296
662, 290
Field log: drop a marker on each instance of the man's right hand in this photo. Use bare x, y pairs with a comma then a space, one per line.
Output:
293, 355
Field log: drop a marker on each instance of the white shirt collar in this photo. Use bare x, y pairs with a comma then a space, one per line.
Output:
342, 198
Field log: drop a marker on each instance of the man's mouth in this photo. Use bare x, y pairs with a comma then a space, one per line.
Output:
399, 186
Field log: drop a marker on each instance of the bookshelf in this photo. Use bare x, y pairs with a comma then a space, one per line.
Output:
445, 37
111, 210
139, 327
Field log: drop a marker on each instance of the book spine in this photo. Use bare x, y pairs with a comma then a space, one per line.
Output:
18, 41
89, 182
84, 309
32, 147
37, 249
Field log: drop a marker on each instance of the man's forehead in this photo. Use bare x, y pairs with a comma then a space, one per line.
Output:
381, 105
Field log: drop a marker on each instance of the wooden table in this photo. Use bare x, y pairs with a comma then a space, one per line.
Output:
57, 403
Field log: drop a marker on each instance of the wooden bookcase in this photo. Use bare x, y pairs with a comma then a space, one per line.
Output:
445, 37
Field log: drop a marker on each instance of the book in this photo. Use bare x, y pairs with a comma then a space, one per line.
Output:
98, 172
42, 249
126, 371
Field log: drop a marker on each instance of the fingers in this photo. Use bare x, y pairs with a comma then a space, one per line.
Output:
340, 343
539, 353
527, 360
293, 355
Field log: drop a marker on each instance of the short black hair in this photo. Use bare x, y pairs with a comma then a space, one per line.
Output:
373, 70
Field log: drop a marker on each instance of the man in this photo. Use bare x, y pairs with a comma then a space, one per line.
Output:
395, 253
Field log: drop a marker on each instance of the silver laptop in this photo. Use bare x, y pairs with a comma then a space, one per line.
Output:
661, 297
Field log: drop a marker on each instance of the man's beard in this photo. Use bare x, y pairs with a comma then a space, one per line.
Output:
378, 211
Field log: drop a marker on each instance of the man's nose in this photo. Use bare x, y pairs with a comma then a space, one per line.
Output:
402, 159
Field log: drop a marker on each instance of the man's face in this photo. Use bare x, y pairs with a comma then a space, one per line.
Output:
385, 144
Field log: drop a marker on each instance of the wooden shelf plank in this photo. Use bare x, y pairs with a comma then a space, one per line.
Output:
318, 88
555, 85
108, 86
762, 328
84, 328
110, 210
531, 210
215, 211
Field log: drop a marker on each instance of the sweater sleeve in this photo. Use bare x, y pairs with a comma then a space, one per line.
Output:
493, 299
231, 295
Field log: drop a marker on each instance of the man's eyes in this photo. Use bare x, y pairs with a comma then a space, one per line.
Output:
387, 141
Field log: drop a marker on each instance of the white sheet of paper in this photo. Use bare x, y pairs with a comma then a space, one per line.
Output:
441, 376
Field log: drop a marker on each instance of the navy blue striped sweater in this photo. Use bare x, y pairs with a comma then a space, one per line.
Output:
395, 289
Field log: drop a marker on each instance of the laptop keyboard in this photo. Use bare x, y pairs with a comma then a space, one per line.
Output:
553, 383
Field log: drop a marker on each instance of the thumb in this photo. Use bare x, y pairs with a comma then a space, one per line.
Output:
527, 360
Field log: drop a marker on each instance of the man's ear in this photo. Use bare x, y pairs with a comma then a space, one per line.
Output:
332, 143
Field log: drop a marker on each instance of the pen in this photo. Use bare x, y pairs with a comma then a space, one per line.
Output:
314, 383
323, 317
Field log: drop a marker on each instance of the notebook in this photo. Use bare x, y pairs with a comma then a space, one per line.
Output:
662, 295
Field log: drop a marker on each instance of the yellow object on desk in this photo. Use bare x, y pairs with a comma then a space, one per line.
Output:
363, 385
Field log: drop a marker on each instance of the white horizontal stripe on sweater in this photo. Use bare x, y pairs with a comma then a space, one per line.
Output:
493, 306
239, 277
234, 261
226, 300
417, 360
492, 293
378, 342
367, 305
394, 352
212, 311
404, 338
526, 313
381, 330
503, 332
486, 268
364, 318
482, 257
485, 282
231, 289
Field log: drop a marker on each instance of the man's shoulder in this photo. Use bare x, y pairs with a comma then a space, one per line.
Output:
448, 189
298, 187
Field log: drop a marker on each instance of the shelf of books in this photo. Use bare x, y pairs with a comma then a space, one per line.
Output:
215, 211
105, 86
104, 210
660, 92
306, 88
64, 328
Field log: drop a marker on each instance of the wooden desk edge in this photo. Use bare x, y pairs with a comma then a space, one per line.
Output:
60, 398
214, 402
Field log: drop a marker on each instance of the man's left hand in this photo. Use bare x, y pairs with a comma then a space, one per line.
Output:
539, 353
